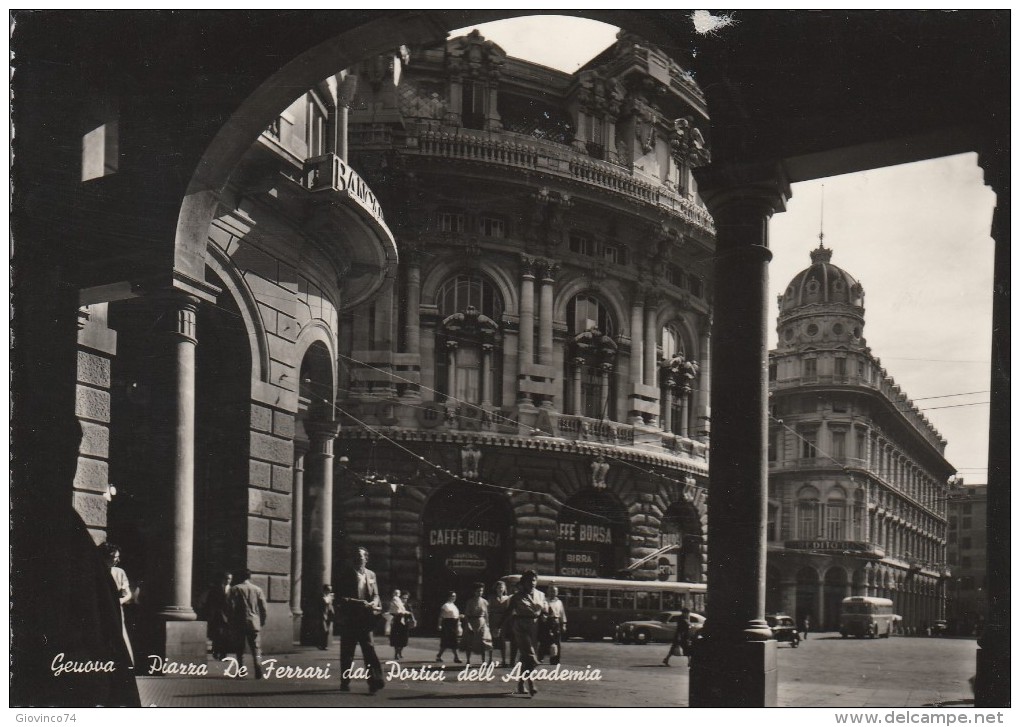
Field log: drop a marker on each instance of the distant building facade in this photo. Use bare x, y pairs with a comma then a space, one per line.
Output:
858, 481
967, 559
532, 383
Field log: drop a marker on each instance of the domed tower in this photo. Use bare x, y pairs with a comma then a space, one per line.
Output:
822, 306
857, 474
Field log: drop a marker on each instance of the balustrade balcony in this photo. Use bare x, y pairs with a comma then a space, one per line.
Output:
517, 151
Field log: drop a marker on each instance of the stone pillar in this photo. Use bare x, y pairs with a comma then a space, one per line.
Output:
297, 535
703, 400
412, 329
545, 315
175, 420
526, 337
321, 435
992, 684
667, 416
578, 369
651, 336
637, 353
685, 398
451, 372
485, 375
737, 666
607, 372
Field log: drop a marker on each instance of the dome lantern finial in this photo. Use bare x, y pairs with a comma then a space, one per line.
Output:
821, 254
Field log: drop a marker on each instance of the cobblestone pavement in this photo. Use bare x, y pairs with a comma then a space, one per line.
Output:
826, 671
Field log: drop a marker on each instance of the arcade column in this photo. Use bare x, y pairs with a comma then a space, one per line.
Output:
297, 535
319, 464
176, 633
736, 667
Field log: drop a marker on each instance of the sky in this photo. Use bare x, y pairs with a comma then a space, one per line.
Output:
916, 236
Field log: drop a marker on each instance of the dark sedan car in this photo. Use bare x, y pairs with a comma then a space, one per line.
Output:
784, 628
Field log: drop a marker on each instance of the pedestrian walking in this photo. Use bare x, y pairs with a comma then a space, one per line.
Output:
450, 628
327, 614
497, 611
523, 610
215, 609
248, 606
556, 625
476, 613
111, 558
400, 624
360, 608
681, 638
805, 626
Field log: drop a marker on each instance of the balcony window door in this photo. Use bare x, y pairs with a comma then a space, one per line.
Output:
473, 105
807, 513
590, 381
468, 351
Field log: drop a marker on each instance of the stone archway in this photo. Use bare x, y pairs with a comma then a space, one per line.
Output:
807, 596
591, 535
467, 534
836, 587
681, 527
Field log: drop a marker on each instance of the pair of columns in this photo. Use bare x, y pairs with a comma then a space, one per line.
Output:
545, 271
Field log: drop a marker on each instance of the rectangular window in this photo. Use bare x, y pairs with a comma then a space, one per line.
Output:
839, 406
862, 445
808, 446
697, 288
451, 222
810, 368
840, 367
675, 276
965, 543
965, 524
580, 245
860, 369
834, 522
772, 372
773, 439
493, 227
610, 253
839, 445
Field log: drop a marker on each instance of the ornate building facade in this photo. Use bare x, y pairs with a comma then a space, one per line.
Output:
199, 430
532, 382
857, 477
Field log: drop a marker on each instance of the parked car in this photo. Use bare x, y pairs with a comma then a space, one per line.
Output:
939, 628
661, 629
784, 628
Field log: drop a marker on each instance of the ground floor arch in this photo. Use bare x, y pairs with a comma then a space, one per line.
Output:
466, 536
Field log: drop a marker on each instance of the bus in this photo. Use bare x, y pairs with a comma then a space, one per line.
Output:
595, 606
862, 616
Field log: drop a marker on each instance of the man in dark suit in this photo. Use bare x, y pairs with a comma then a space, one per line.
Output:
359, 607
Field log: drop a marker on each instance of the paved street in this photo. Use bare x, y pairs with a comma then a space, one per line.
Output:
826, 671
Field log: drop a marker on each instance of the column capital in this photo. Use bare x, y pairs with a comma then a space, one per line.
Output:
529, 266
177, 314
548, 270
320, 433
763, 187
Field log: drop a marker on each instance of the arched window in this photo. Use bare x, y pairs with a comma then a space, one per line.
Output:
469, 361
835, 514
469, 289
589, 383
807, 513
